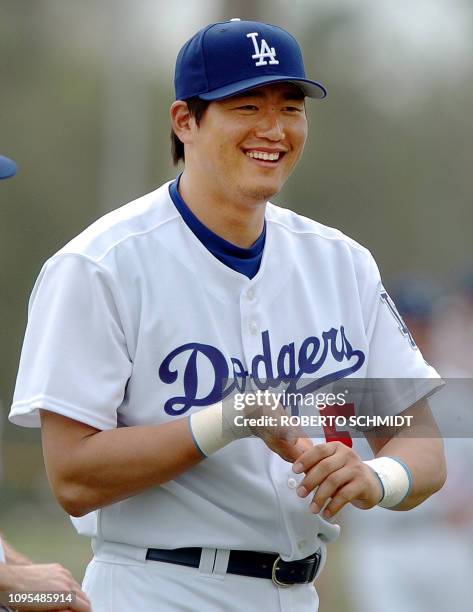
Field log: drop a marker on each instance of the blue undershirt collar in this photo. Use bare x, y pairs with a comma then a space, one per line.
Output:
244, 261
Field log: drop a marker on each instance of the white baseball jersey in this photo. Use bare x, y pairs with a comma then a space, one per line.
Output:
134, 322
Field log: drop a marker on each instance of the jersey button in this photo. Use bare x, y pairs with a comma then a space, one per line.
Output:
254, 328
292, 483
250, 294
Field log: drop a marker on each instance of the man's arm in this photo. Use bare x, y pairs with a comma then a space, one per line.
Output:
88, 468
46, 578
420, 447
341, 475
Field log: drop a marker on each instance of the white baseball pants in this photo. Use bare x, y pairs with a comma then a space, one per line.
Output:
119, 579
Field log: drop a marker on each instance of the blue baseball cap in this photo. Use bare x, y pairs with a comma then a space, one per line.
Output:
230, 57
7, 167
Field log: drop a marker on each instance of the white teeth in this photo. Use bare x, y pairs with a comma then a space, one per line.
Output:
263, 155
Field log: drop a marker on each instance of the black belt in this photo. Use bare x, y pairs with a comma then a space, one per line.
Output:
248, 563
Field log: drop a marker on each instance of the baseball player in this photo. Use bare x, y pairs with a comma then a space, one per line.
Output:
147, 323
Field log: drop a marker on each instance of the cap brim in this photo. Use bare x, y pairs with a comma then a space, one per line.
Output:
7, 167
312, 89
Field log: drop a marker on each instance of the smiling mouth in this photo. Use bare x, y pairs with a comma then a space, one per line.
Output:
265, 156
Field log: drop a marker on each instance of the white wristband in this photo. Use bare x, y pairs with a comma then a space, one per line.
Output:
213, 428
395, 478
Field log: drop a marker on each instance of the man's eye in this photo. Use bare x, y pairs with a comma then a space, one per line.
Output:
293, 109
248, 107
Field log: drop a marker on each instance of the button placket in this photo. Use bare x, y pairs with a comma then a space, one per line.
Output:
250, 323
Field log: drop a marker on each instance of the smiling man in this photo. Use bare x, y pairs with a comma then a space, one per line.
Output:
245, 154
144, 327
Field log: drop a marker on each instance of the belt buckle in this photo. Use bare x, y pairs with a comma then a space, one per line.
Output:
274, 578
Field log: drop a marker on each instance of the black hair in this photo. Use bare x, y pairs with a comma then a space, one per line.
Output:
197, 108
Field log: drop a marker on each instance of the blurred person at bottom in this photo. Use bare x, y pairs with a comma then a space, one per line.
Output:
17, 572
423, 560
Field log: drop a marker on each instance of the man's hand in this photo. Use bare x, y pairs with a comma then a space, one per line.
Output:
46, 578
288, 449
289, 442
338, 473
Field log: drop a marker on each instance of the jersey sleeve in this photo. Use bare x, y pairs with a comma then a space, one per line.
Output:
74, 359
397, 371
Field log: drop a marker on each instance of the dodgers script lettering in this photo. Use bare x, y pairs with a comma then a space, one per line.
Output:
291, 364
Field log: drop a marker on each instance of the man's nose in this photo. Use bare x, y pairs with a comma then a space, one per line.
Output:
271, 127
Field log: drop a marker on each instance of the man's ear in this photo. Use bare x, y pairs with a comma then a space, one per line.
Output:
182, 122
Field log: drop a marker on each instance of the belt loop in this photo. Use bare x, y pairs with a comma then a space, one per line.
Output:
221, 562
207, 561
115, 551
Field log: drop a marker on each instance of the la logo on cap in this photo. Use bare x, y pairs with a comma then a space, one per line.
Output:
262, 53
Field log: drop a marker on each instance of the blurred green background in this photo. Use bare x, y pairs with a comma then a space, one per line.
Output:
85, 87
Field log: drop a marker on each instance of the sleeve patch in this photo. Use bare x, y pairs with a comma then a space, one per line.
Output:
399, 320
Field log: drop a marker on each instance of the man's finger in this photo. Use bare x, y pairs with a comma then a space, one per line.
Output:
312, 456
329, 488
81, 603
316, 475
342, 497
303, 444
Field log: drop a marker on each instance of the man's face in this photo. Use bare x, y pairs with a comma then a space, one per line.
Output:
248, 145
